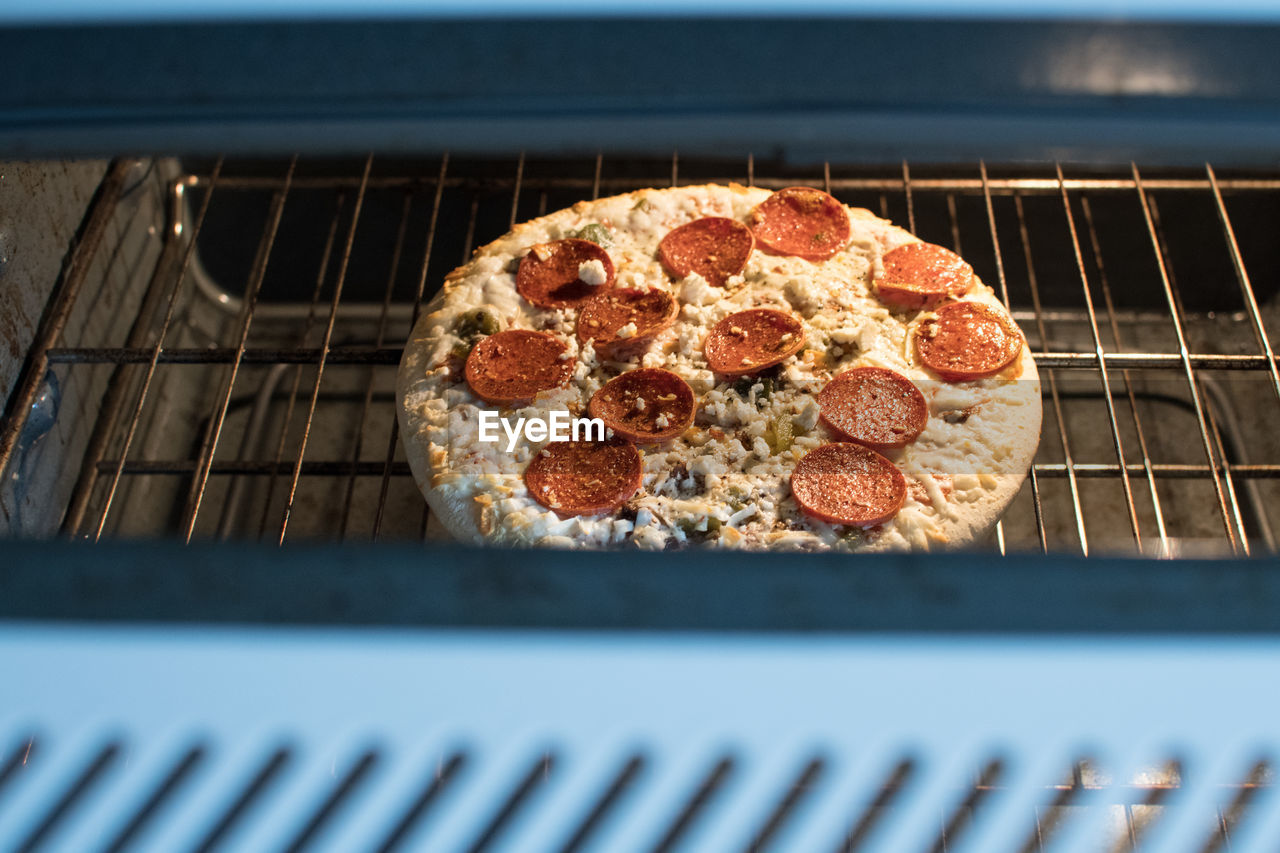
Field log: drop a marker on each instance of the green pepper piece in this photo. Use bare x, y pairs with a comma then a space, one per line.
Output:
781, 434
475, 323
596, 233
691, 531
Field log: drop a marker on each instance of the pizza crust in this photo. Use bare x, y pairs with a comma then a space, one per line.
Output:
479, 496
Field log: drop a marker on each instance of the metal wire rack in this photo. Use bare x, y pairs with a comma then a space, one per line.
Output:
252, 396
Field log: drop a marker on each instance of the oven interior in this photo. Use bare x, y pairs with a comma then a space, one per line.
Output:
200, 368
230, 352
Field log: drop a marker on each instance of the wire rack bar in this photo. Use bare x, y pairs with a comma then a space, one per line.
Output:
1055, 397
906, 190
956, 245
324, 347
383, 355
1215, 433
330, 467
1004, 299
154, 358
419, 291
358, 441
304, 340
365, 310
468, 242
258, 273
118, 390
1229, 478
341, 467
1126, 375
1242, 275
1184, 353
515, 191
1100, 354
999, 186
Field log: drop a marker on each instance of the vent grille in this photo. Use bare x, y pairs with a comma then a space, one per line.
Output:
206, 741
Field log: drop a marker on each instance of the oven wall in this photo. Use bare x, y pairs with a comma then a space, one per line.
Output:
43, 205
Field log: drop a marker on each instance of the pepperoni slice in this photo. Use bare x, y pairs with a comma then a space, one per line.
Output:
645, 405
516, 364
642, 313
801, 221
548, 276
749, 341
966, 340
920, 275
714, 247
874, 406
584, 477
847, 483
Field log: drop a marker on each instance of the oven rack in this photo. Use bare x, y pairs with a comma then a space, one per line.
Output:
1155, 409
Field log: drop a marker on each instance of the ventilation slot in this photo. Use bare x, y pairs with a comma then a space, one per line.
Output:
889, 792
987, 779
1140, 816
171, 783
440, 779
63, 807
259, 784
801, 788
1049, 819
706, 791
535, 777
349, 783
1260, 776
630, 771
18, 760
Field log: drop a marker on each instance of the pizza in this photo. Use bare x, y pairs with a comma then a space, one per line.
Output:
749, 369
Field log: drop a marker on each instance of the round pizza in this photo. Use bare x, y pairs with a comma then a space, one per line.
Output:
717, 366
